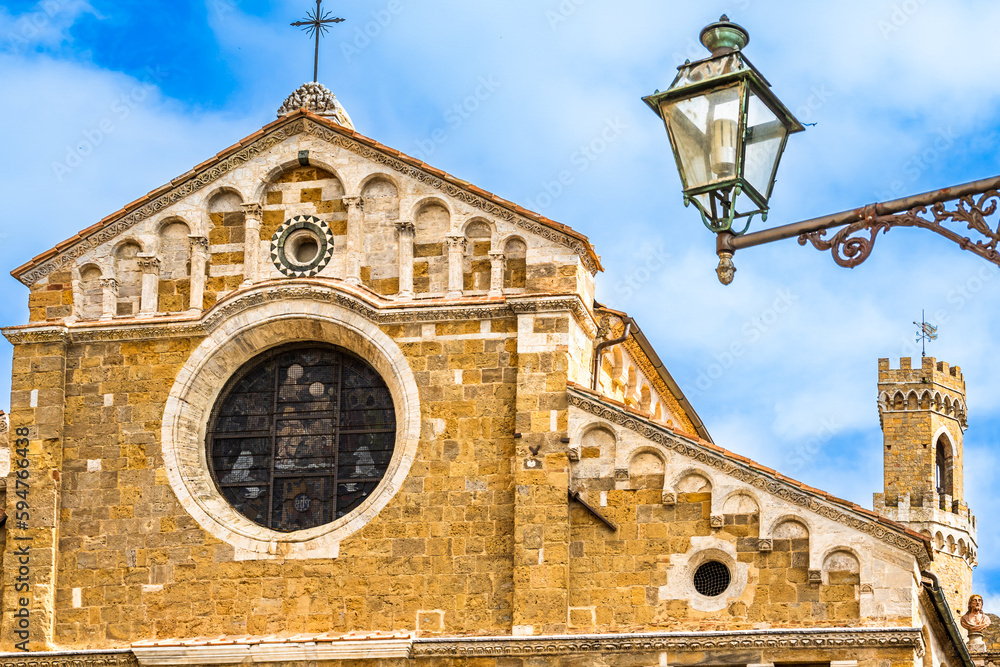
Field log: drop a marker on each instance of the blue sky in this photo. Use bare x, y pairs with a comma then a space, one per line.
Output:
105, 101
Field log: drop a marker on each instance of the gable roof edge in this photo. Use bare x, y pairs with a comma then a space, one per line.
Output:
828, 506
302, 121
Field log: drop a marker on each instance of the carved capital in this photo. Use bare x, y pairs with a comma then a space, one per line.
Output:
498, 256
149, 264
109, 283
621, 474
199, 242
669, 498
815, 577
253, 211
765, 545
456, 243
716, 521
352, 202
405, 227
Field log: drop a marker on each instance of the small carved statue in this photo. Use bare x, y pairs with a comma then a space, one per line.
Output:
975, 621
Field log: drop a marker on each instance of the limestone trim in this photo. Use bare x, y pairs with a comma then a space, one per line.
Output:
270, 136
846, 639
236, 341
83, 658
308, 652
318, 290
719, 460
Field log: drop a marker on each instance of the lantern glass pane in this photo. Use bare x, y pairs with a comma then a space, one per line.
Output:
706, 137
765, 138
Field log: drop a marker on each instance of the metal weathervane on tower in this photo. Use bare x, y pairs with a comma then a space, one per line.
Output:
317, 23
925, 332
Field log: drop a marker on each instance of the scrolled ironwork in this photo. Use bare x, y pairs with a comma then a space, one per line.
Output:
853, 244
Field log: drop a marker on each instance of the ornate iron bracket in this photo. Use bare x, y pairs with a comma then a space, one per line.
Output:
976, 206
853, 244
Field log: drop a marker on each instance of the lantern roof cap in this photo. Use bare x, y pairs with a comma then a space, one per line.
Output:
724, 36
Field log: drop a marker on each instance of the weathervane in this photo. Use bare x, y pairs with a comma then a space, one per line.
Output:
317, 24
925, 332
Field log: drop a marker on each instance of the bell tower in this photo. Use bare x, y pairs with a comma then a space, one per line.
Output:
923, 416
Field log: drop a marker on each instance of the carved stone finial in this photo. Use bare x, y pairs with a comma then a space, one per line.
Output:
317, 98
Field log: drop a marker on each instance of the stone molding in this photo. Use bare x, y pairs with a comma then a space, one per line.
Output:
334, 294
194, 181
306, 652
200, 381
114, 658
847, 639
747, 475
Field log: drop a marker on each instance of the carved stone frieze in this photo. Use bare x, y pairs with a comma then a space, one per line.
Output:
838, 640
747, 475
291, 290
318, 99
71, 659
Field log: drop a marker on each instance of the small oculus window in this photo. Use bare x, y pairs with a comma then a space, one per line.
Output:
712, 579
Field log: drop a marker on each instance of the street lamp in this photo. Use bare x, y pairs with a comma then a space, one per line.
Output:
728, 131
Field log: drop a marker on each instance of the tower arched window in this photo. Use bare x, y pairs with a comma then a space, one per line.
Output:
943, 478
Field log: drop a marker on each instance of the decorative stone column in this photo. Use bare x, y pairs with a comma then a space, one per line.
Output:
150, 267
456, 257
498, 262
355, 237
251, 243
109, 298
199, 264
406, 234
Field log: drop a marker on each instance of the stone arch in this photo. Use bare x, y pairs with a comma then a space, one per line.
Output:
293, 166
128, 273
950, 543
515, 275
432, 224
898, 403
646, 468
597, 440
911, 401
937, 401
476, 265
658, 412
645, 398
693, 480
225, 200
925, 400
947, 405
175, 266
631, 384
379, 236
790, 527
963, 549
741, 502
884, 401
91, 306
842, 567
939, 541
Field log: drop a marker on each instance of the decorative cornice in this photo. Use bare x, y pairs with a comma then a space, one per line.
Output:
523, 304
747, 475
372, 310
847, 639
204, 178
70, 659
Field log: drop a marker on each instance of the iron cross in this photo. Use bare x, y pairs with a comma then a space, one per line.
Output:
317, 24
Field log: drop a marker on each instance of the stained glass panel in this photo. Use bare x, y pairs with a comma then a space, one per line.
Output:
301, 436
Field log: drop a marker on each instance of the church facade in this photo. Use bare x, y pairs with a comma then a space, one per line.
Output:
317, 401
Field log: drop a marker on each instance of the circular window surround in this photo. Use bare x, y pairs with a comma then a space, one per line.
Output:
680, 577
302, 246
200, 382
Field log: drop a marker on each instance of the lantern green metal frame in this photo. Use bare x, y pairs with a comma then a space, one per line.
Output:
727, 67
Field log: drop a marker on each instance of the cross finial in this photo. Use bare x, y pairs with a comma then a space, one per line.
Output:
317, 23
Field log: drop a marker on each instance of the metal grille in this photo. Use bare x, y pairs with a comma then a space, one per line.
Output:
301, 436
712, 579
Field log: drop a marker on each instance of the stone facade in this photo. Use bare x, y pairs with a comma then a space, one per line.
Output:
523, 516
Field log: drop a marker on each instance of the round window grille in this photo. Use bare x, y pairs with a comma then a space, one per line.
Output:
302, 247
301, 436
712, 579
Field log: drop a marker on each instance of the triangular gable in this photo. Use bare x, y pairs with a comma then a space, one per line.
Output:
758, 476
260, 142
